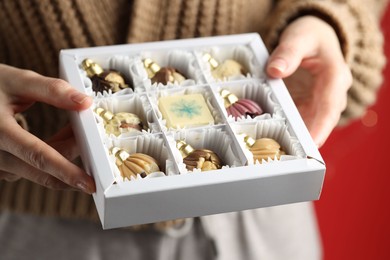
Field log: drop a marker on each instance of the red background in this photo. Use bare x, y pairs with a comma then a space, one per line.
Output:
354, 209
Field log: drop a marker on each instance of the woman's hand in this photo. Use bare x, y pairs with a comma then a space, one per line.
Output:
310, 60
23, 155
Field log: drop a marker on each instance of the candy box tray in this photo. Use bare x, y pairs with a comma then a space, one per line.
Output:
241, 184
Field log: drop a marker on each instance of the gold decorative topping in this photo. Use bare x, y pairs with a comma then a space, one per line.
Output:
91, 67
249, 141
213, 62
229, 98
105, 114
184, 148
151, 67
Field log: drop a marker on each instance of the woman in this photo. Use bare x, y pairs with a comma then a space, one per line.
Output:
329, 53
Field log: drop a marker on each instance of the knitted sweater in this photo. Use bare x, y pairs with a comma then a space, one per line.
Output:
33, 32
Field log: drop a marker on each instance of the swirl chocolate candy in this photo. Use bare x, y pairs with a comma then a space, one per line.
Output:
203, 159
264, 148
228, 68
130, 165
162, 75
122, 122
103, 80
240, 107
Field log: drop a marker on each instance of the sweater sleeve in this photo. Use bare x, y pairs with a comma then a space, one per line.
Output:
357, 24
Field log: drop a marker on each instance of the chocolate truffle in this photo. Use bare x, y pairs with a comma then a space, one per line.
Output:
103, 80
185, 110
119, 123
134, 164
203, 159
228, 68
162, 75
240, 107
264, 148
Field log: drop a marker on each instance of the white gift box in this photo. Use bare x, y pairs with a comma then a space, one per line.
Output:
241, 183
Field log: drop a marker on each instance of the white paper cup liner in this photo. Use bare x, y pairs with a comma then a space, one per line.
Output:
150, 144
215, 139
242, 54
88, 83
183, 61
275, 129
256, 91
136, 104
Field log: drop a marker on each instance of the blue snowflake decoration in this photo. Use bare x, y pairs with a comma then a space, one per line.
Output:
188, 109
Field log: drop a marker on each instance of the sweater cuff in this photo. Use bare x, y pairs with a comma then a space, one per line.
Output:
360, 39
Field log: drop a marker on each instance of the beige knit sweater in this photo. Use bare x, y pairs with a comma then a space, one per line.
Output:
32, 33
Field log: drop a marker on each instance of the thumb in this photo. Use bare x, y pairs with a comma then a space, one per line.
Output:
284, 60
30, 86
294, 47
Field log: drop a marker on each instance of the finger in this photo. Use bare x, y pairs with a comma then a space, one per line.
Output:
289, 54
324, 123
41, 156
64, 133
53, 91
8, 176
329, 103
65, 143
23, 170
67, 148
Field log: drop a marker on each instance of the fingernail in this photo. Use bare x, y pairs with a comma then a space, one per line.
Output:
79, 98
278, 64
83, 187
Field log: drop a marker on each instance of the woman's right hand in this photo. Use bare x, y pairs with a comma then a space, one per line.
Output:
23, 155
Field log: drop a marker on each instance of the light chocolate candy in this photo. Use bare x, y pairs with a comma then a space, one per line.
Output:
122, 122
130, 165
203, 159
228, 68
264, 148
162, 75
103, 80
185, 110
240, 107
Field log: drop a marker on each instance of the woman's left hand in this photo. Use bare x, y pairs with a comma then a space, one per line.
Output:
310, 60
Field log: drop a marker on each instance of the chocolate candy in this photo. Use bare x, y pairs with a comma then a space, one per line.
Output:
162, 75
185, 110
119, 123
228, 68
264, 148
103, 80
203, 159
168, 74
133, 164
240, 107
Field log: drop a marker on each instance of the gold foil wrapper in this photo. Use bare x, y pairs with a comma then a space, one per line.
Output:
91, 67
229, 98
151, 67
213, 62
